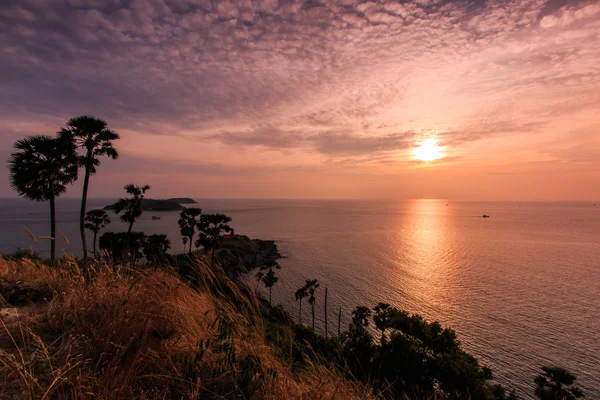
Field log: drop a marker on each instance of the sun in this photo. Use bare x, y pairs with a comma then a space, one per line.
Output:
428, 150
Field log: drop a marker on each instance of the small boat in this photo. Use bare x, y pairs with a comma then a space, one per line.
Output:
155, 217
485, 216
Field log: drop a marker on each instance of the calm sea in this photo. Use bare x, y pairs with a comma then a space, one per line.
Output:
522, 288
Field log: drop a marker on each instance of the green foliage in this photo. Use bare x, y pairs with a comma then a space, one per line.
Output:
417, 360
155, 248
556, 384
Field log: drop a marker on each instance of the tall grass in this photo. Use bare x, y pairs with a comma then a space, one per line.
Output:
118, 333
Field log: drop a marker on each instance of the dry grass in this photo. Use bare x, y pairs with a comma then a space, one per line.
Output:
123, 334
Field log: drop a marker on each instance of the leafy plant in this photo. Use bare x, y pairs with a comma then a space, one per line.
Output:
96, 220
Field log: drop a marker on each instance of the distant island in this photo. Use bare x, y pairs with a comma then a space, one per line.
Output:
157, 205
183, 200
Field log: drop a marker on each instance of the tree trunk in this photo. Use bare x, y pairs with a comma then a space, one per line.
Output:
325, 313
86, 182
95, 234
129, 242
52, 227
190, 252
339, 322
300, 313
270, 304
313, 316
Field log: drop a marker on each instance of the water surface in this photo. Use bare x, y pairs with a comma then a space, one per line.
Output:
522, 288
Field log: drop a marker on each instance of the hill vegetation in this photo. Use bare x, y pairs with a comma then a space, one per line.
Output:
183, 200
155, 205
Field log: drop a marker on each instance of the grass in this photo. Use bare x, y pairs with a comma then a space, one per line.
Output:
117, 333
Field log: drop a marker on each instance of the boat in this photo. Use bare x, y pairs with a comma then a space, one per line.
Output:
155, 217
485, 216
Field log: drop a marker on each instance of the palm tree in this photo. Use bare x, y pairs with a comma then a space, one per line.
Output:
269, 279
40, 170
300, 294
188, 221
131, 207
557, 384
382, 318
95, 139
155, 247
212, 227
311, 286
94, 221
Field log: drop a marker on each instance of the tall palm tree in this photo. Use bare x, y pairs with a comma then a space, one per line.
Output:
131, 207
40, 170
383, 314
311, 286
96, 220
212, 227
301, 294
188, 221
95, 139
269, 279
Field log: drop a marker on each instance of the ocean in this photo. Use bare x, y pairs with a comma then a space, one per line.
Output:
521, 288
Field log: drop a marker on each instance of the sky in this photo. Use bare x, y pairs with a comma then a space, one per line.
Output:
315, 99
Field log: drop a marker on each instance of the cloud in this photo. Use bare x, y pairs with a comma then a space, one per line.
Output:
338, 79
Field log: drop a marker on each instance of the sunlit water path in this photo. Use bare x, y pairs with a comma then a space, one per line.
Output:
521, 288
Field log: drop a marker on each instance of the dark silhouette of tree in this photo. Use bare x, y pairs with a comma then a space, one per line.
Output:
382, 317
118, 244
556, 384
259, 277
95, 139
155, 247
40, 170
94, 221
188, 221
269, 279
311, 286
301, 294
211, 228
360, 316
130, 207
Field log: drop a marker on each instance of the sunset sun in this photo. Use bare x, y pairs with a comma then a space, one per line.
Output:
428, 150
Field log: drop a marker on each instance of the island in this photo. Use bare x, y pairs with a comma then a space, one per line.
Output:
183, 200
155, 205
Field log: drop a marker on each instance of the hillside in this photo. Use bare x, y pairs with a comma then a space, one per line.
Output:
117, 333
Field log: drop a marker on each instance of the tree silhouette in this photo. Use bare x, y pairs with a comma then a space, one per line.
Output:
360, 316
311, 286
155, 247
188, 221
301, 294
212, 227
40, 170
96, 220
383, 317
95, 139
269, 279
131, 207
556, 384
